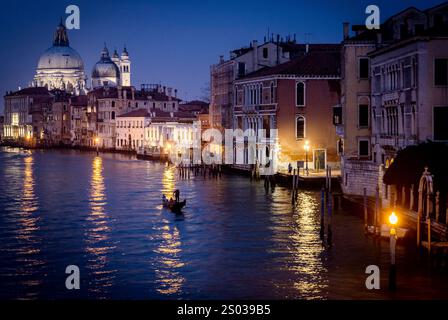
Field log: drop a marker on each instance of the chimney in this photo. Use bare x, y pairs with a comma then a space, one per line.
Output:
221, 59
346, 30
164, 90
175, 93
379, 38
255, 55
169, 92
278, 53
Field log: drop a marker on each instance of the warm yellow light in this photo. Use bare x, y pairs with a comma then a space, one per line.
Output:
97, 140
307, 145
393, 219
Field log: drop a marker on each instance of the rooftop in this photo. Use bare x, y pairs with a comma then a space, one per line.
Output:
314, 63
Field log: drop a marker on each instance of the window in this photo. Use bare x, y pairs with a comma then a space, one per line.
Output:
440, 121
363, 116
272, 93
337, 115
300, 127
265, 53
438, 20
241, 69
113, 115
441, 72
403, 31
15, 119
364, 68
300, 94
418, 28
363, 148
407, 77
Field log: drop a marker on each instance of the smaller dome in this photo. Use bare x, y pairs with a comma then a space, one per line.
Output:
105, 68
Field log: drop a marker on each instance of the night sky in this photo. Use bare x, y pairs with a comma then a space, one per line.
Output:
172, 42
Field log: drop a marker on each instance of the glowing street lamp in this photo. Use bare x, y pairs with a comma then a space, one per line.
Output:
307, 148
393, 221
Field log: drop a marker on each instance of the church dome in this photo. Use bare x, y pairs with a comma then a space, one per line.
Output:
60, 66
105, 68
59, 57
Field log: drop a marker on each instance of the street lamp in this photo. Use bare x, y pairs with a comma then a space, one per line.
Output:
393, 220
307, 148
97, 145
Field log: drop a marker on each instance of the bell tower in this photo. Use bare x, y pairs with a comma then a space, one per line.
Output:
125, 68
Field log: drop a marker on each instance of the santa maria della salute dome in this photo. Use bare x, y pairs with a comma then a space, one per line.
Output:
61, 67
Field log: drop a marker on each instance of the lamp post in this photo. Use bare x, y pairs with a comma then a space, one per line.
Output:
97, 146
307, 148
393, 220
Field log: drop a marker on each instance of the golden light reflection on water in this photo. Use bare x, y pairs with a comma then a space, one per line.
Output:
168, 262
98, 233
28, 204
168, 181
28, 222
303, 257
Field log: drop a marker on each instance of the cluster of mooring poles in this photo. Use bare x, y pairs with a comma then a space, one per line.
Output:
210, 171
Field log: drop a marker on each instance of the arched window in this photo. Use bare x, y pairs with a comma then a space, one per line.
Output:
113, 115
300, 94
300, 127
272, 93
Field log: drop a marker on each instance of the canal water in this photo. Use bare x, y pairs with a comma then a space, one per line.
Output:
234, 240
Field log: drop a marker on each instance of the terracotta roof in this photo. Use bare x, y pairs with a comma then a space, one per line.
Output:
29, 91
105, 92
194, 106
315, 63
79, 101
184, 115
154, 95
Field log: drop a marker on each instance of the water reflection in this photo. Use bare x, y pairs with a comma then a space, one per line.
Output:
296, 237
98, 247
168, 264
168, 180
308, 249
27, 219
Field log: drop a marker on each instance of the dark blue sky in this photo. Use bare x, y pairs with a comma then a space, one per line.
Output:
172, 42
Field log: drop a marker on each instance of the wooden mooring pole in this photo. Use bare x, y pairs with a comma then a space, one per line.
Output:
322, 214
329, 208
366, 223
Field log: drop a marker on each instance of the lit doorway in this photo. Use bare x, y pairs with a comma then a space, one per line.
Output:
320, 159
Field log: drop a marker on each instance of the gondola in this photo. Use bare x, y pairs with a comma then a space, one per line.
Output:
175, 207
